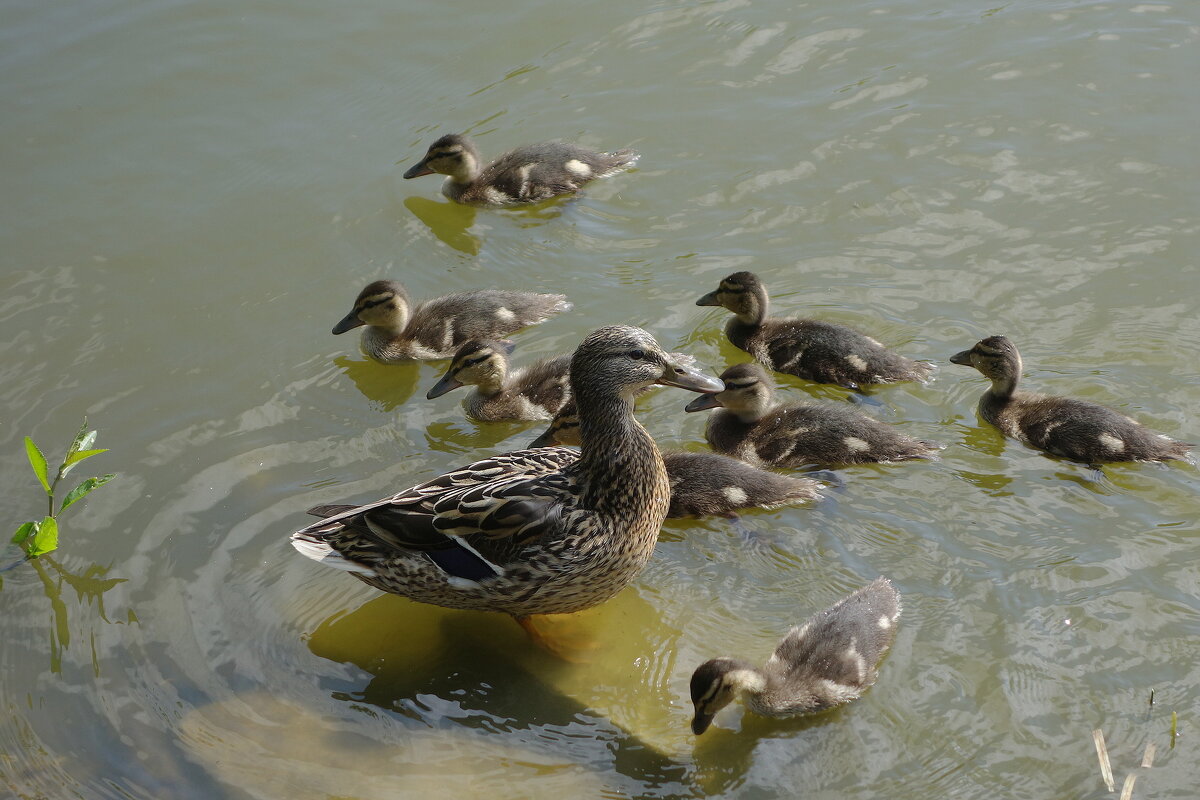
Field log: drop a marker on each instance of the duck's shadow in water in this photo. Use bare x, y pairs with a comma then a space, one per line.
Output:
724, 756
452, 222
1100, 479
469, 437
387, 386
443, 668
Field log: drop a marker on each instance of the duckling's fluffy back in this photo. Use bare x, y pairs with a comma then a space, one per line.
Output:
483, 314
833, 656
707, 484
534, 392
1078, 430
540, 171
439, 326
813, 433
825, 352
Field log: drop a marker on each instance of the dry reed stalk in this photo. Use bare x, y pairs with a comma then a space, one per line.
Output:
1102, 754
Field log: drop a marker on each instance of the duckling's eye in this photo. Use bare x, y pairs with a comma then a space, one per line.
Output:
637, 355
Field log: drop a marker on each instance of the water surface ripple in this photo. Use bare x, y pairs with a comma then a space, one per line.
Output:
196, 192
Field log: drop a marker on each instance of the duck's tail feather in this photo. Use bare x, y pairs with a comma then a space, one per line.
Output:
330, 510
314, 546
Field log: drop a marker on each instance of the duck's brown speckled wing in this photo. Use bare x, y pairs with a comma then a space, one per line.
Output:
462, 515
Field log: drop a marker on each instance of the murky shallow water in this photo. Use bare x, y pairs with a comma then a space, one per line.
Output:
195, 193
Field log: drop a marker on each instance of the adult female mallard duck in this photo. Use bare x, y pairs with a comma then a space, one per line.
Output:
703, 484
828, 661
397, 331
537, 391
527, 174
751, 427
1062, 426
817, 351
547, 531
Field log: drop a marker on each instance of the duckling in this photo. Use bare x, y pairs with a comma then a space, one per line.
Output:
823, 352
1062, 426
703, 484
396, 331
547, 531
828, 661
537, 391
751, 427
527, 174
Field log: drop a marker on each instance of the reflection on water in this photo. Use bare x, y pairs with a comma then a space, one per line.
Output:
89, 587
431, 664
240, 738
182, 236
468, 436
450, 222
387, 386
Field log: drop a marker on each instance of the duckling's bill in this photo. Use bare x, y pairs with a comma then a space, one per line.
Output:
348, 323
703, 403
963, 358
417, 170
547, 439
446, 384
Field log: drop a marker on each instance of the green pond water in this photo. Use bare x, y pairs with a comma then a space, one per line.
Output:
194, 192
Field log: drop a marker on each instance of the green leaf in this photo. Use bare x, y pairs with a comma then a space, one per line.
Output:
38, 462
78, 451
80, 455
23, 532
27, 545
83, 440
46, 539
82, 490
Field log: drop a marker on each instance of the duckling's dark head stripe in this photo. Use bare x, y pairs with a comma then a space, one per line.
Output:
375, 300
447, 142
740, 280
742, 376
474, 347
472, 362
378, 289
993, 346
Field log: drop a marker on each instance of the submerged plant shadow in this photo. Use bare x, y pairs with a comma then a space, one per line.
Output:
90, 585
440, 667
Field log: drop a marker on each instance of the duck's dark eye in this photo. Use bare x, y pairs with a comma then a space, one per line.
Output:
637, 355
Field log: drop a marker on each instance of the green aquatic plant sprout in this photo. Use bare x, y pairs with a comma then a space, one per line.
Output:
39, 537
